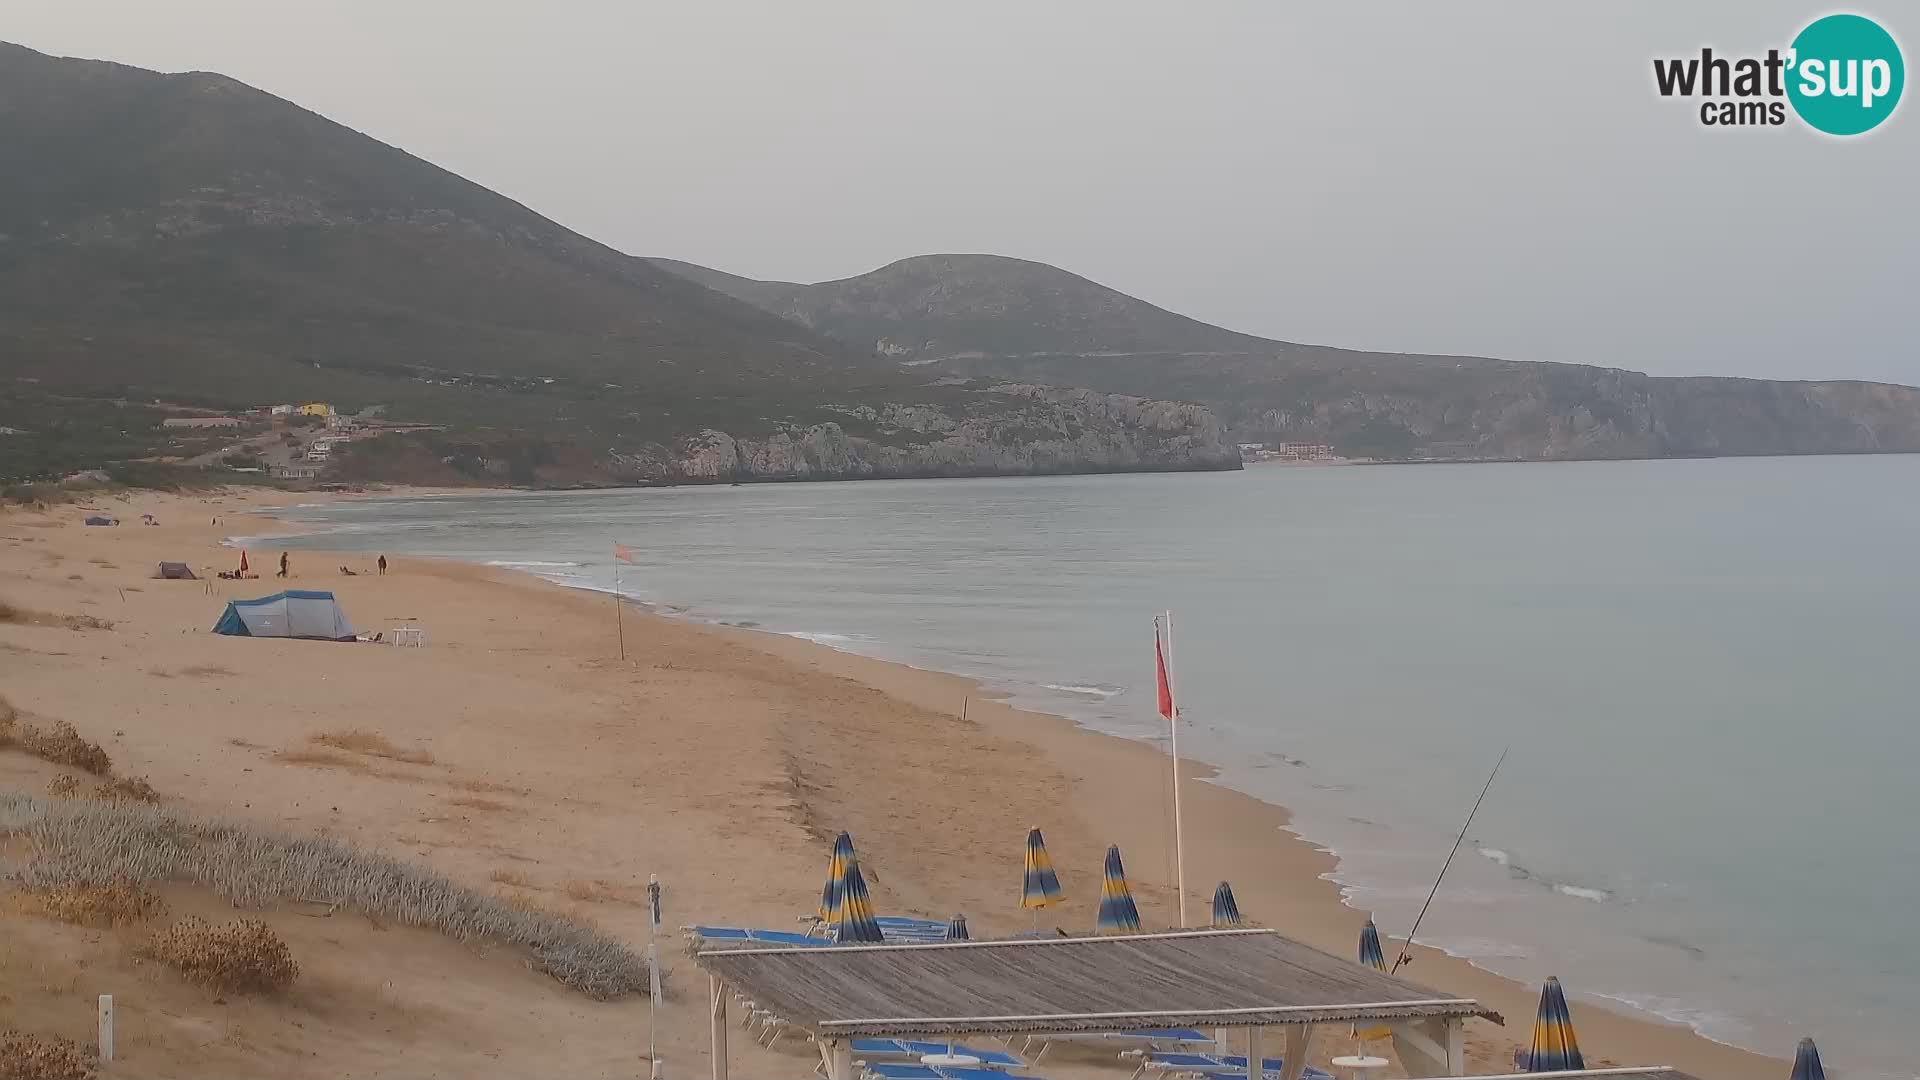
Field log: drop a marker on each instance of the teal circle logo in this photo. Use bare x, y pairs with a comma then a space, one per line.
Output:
1845, 74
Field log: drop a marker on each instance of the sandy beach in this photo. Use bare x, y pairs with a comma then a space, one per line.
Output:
519, 753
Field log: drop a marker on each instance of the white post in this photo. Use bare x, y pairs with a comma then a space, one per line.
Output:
1423, 1047
1456, 1046
1299, 1038
717, 991
1179, 847
839, 1055
106, 1028
654, 992
1256, 1061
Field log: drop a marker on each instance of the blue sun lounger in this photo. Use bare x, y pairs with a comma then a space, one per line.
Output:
941, 1072
745, 933
909, 1050
1212, 1066
1143, 1040
901, 928
894, 929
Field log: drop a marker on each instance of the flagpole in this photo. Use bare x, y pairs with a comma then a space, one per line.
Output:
1179, 847
619, 620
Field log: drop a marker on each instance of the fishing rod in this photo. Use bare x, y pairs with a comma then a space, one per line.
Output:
1405, 957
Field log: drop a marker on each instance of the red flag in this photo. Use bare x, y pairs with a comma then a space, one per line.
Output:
1160, 670
623, 553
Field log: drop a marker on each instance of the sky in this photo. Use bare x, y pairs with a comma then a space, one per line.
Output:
1489, 179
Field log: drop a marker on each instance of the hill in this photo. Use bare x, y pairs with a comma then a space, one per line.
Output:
983, 315
190, 239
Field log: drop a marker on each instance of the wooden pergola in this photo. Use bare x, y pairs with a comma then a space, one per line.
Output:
1642, 1072
1210, 979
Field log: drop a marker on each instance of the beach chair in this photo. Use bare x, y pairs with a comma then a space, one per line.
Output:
994, 1061
904, 929
939, 1072
747, 933
910, 1051
1209, 1066
897, 929
884, 1071
1140, 1042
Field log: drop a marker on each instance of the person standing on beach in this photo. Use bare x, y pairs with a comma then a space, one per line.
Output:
383, 566
283, 564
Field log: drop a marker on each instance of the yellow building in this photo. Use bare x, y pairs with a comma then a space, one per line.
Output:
318, 408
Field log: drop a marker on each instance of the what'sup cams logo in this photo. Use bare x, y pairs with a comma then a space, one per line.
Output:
1842, 76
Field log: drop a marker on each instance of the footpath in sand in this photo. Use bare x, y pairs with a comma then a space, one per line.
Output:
517, 753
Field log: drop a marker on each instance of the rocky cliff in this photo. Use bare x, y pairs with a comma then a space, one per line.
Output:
1044, 430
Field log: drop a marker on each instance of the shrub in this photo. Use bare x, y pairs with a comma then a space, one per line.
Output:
42, 1057
117, 903
126, 788
63, 786
62, 745
241, 957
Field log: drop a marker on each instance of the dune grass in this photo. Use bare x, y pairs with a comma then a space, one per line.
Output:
12, 613
87, 841
27, 1056
372, 744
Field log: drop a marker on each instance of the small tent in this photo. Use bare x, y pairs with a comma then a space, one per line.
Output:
177, 571
296, 613
101, 519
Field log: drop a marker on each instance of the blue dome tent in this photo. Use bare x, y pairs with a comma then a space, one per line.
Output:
296, 613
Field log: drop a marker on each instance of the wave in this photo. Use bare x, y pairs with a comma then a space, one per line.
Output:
1720, 1027
1517, 872
821, 637
530, 563
1094, 691
1472, 948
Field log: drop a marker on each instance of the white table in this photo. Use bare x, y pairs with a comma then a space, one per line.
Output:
1359, 1065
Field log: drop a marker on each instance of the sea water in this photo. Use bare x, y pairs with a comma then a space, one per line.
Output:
1703, 671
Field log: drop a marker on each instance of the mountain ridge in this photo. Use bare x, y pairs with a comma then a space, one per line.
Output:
992, 316
190, 239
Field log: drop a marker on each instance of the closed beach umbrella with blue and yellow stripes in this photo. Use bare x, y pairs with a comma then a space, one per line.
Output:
836, 873
1042, 887
1806, 1062
1554, 1047
1226, 910
856, 922
957, 928
1370, 953
1118, 915
1371, 956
